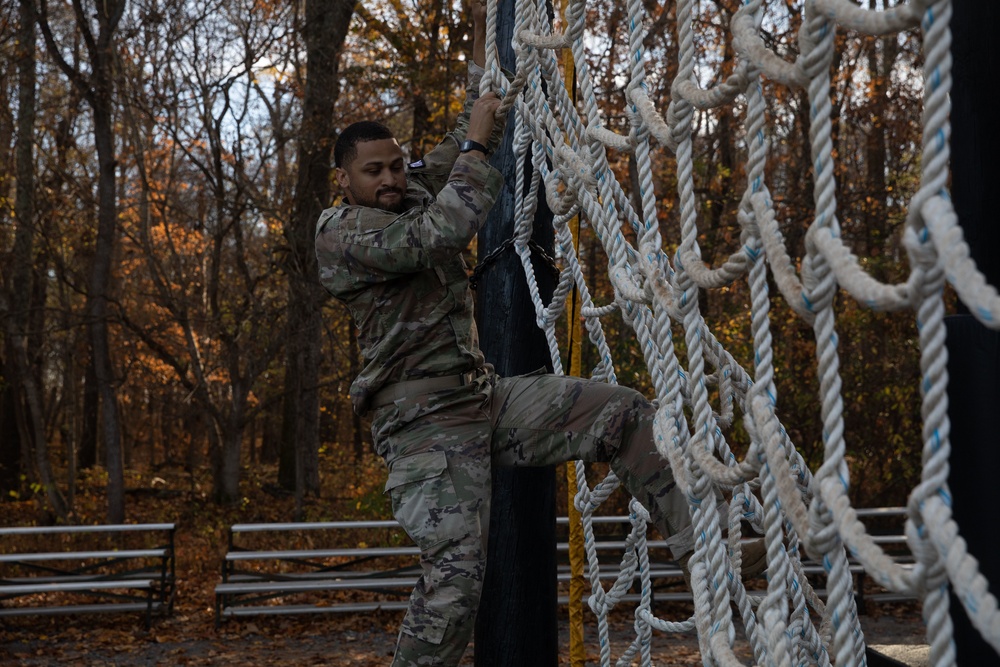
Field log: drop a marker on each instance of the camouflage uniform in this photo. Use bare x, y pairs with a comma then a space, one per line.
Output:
405, 282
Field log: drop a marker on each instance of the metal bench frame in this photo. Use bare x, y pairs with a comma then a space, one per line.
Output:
118, 576
243, 589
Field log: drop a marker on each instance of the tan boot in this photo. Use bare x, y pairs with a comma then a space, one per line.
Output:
754, 561
684, 561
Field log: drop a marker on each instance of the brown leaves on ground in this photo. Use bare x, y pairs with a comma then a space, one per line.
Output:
189, 636
334, 639
192, 640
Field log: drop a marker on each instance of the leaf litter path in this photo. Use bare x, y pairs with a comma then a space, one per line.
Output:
348, 641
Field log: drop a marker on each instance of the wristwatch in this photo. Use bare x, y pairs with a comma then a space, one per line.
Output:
470, 145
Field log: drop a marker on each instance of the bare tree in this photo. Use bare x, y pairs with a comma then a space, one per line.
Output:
12, 46
27, 394
324, 30
97, 87
204, 250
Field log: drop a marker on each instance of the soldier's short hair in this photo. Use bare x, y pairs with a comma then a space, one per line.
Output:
346, 148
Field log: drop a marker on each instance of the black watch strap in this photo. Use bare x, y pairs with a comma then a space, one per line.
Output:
470, 145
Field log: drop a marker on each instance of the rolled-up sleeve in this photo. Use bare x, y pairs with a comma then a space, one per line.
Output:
434, 169
377, 245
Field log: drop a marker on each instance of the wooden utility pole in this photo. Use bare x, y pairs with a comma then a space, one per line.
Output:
517, 622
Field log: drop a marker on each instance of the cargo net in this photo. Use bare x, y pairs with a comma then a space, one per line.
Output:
798, 511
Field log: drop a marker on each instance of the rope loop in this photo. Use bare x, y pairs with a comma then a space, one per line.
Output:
698, 388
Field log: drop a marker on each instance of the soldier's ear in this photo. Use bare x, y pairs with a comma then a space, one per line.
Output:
343, 179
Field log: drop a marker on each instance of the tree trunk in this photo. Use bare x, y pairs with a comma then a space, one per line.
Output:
252, 439
299, 463
168, 414
230, 428
89, 419
269, 440
97, 86
876, 228
324, 29
287, 448
421, 126
69, 391
10, 441
198, 426
227, 477
29, 404
100, 282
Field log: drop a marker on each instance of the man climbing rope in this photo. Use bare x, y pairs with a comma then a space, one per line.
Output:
440, 415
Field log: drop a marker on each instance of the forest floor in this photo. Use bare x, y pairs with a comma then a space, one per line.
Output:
189, 635
357, 640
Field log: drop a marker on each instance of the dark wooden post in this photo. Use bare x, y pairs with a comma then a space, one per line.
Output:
517, 622
974, 350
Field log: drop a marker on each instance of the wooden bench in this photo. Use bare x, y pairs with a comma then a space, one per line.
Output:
253, 579
119, 578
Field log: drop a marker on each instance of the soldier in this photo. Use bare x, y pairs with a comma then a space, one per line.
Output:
440, 416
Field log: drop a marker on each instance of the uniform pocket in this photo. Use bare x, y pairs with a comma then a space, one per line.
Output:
425, 624
424, 500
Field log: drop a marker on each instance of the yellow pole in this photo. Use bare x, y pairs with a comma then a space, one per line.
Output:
577, 584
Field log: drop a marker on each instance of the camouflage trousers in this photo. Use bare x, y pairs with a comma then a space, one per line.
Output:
439, 448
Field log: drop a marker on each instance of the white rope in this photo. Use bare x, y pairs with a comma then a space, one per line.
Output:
797, 510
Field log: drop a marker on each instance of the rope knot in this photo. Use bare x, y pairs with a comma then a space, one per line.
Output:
748, 223
679, 115
920, 248
815, 44
819, 285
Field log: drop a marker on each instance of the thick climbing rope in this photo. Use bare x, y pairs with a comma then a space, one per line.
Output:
799, 512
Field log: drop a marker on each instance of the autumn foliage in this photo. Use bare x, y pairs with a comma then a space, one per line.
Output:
227, 367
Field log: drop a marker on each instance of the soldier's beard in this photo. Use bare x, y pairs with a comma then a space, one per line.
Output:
395, 206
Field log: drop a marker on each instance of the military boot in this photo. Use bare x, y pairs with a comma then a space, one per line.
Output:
754, 561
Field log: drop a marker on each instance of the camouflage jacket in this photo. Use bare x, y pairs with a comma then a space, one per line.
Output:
402, 276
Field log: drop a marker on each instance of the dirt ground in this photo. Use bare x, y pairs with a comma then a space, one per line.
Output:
336, 640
